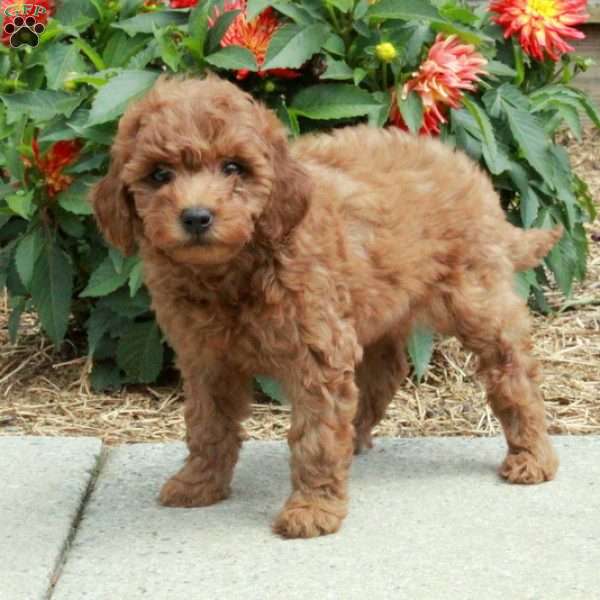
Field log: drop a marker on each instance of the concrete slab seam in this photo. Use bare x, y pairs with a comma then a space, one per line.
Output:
64, 553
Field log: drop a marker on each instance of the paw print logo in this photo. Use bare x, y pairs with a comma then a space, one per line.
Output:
24, 31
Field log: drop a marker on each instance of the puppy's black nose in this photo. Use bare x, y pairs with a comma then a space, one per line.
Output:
196, 220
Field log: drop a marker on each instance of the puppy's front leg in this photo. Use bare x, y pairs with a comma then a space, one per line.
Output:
324, 402
215, 405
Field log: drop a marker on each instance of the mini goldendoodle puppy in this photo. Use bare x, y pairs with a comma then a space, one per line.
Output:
310, 262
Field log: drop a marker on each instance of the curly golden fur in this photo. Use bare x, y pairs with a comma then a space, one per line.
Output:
319, 257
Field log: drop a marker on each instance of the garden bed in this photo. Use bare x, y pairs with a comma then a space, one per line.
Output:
45, 393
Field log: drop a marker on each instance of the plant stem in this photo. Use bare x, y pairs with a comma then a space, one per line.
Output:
334, 19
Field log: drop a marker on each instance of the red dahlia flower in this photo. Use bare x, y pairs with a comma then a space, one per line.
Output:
59, 156
254, 35
450, 68
541, 25
183, 3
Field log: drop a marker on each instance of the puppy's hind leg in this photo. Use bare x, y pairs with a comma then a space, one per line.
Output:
494, 323
214, 409
381, 372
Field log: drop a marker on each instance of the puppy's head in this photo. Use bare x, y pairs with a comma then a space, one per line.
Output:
198, 170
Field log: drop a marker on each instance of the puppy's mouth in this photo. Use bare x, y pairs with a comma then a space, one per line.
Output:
198, 241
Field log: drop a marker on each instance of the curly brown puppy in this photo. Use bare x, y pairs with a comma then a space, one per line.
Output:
310, 262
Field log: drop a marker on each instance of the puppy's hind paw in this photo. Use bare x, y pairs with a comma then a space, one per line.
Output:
526, 468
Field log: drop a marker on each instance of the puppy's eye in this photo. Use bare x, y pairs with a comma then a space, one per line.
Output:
161, 175
231, 167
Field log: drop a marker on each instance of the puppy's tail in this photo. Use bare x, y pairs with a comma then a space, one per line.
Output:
528, 248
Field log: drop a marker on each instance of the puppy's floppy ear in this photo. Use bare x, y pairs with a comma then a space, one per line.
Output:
291, 189
113, 208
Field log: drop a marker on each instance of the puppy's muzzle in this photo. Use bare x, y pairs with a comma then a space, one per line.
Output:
197, 221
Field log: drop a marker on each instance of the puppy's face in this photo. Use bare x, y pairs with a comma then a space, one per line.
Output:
200, 167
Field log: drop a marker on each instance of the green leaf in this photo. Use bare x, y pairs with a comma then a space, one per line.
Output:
112, 100
104, 280
103, 134
562, 261
105, 376
136, 278
406, 10
27, 253
524, 281
140, 352
272, 388
459, 13
21, 203
255, 7
146, 23
344, 6
378, 117
464, 33
197, 32
218, 30
123, 304
52, 289
145, 56
571, 118
532, 140
529, 207
74, 11
62, 60
294, 12
41, 105
411, 109
588, 106
120, 48
334, 44
495, 67
333, 101
233, 58
292, 45
14, 162
337, 69
71, 224
420, 349
101, 321
168, 50
497, 100
489, 146
75, 198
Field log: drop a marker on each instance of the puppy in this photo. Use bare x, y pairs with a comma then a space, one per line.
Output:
311, 262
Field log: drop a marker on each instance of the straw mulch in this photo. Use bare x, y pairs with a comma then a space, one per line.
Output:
42, 393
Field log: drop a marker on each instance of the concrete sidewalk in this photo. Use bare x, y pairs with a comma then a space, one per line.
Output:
429, 518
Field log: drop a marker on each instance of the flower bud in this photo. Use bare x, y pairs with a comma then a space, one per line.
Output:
386, 52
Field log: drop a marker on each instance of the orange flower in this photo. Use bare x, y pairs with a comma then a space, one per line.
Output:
254, 35
450, 68
59, 156
541, 25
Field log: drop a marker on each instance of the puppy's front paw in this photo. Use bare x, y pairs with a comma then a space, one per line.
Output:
184, 494
524, 467
309, 518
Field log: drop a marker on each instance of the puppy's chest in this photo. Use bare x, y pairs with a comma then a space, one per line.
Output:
243, 330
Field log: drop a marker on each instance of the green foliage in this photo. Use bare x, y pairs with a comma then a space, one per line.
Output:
95, 58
